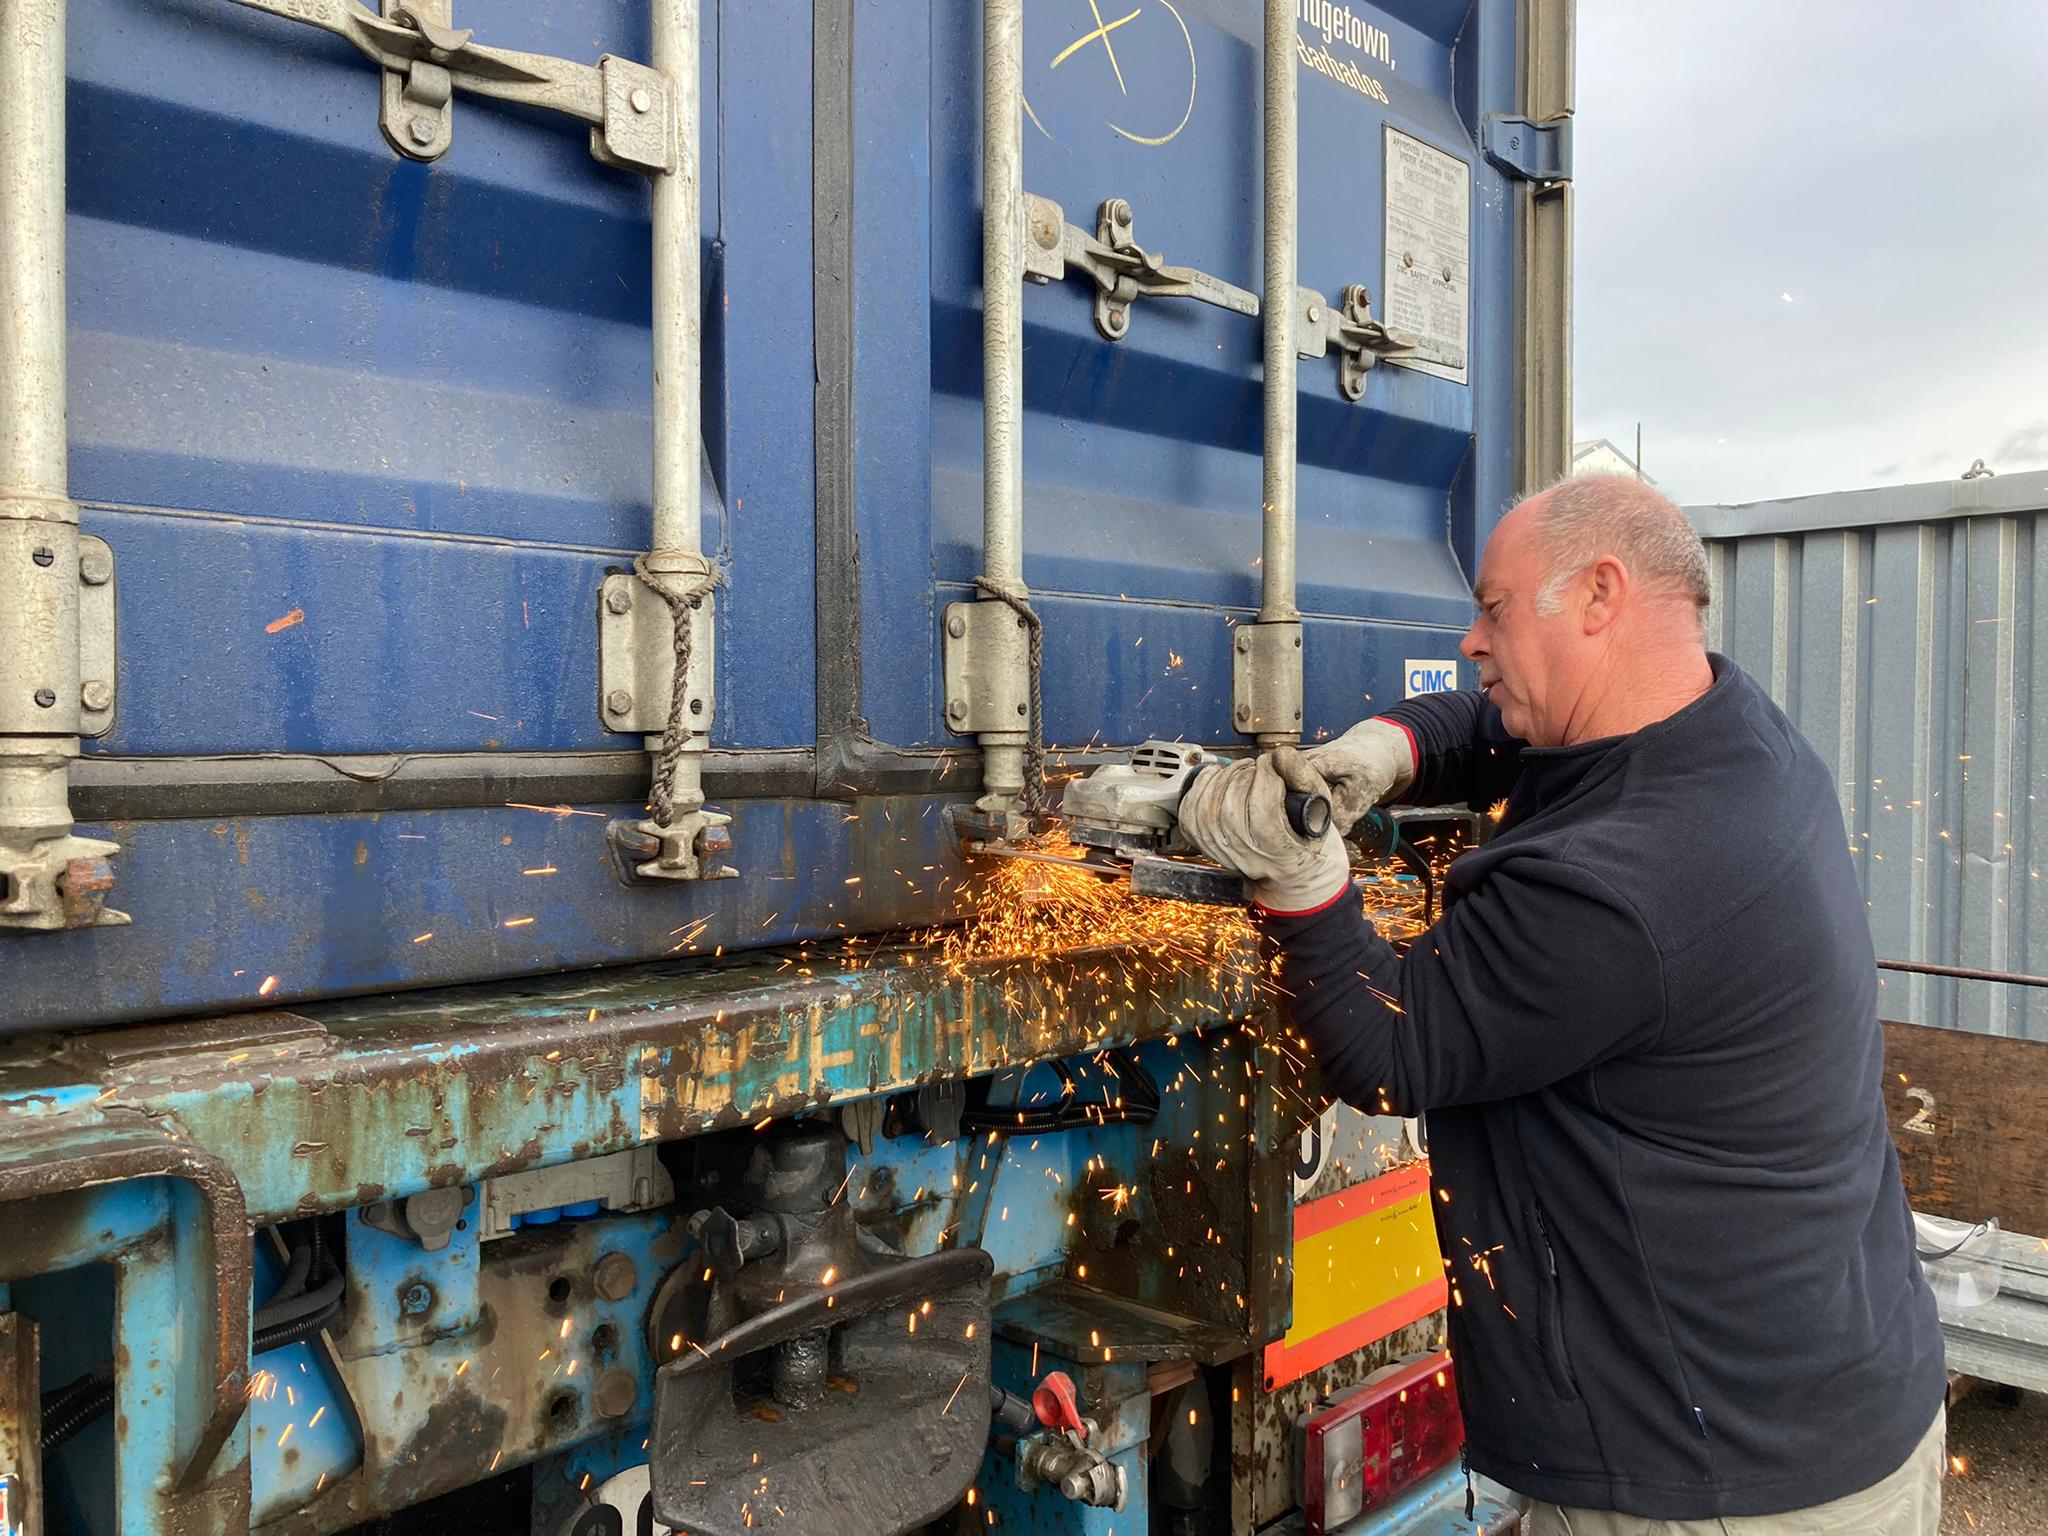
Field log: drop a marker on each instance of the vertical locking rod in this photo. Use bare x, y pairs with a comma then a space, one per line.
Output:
1002, 383
1266, 665
50, 878
681, 835
1276, 571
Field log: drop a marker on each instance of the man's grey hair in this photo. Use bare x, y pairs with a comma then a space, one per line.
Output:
1589, 516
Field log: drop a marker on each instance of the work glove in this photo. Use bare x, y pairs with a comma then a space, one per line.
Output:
1366, 766
1237, 815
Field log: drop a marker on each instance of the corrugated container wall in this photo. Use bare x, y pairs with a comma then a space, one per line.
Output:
1897, 628
367, 436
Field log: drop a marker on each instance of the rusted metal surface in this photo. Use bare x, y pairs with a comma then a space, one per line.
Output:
36, 1167
489, 1380
352, 1102
1963, 973
1267, 1460
272, 1116
21, 1423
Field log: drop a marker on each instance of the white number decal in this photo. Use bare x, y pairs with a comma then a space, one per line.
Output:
1920, 1124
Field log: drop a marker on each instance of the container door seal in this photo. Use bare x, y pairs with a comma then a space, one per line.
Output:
1429, 254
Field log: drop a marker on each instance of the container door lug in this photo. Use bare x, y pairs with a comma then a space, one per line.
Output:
50, 877
1122, 270
1348, 326
1265, 680
417, 111
987, 685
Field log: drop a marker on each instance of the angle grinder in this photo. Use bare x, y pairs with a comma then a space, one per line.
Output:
1126, 819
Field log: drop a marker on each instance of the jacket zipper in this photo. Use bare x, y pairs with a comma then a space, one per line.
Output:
1556, 1357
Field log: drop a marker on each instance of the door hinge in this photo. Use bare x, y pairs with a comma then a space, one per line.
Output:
1528, 149
1122, 270
425, 60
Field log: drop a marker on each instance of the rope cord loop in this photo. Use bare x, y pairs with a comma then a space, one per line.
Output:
1034, 745
661, 803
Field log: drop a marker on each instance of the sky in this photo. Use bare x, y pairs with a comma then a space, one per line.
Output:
1811, 240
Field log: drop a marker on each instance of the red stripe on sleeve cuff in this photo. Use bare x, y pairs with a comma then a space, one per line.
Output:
1342, 891
1414, 751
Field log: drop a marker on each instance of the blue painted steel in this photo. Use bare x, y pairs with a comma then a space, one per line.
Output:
150, 1232
303, 1432
405, 409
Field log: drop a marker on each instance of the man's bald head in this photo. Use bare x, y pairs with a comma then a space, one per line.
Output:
1589, 517
1590, 596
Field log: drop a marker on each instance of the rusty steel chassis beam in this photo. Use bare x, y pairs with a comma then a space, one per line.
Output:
161, 1148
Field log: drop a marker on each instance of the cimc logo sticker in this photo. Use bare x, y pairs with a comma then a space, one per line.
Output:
1429, 677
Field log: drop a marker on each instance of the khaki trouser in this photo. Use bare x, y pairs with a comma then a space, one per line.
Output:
1907, 1503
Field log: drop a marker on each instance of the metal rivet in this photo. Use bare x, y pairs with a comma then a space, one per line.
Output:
1297, 714
97, 695
1048, 233
1297, 642
1020, 709
956, 625
618, 600
1244, 641
696, 706
42, 556
95, 566
1314, 313
641, 100
424, 131
618, 701
46, 698
1120, 211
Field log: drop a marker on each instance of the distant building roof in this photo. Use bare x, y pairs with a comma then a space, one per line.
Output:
1597, 456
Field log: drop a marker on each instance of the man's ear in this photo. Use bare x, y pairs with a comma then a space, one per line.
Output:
1606, 588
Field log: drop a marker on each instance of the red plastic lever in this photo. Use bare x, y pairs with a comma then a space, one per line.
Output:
1056, 1406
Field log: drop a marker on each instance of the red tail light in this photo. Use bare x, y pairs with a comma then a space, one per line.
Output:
1364, 1449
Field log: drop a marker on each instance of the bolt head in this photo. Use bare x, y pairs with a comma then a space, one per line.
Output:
43, 556
423, 131
95, 566
642, 100
1244, 711
46, 698
615, 1394
1315, 313
614, 1277
956, 625
1244, 640
416, 1299
1046, 233
618, 701
96, 695
619, 600
1120, 211
957, 709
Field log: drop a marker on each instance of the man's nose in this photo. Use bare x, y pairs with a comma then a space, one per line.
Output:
1472, 647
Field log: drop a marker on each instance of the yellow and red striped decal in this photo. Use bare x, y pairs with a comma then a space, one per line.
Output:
1365, 1264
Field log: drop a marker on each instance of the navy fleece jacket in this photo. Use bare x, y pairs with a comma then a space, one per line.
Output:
1645, 1033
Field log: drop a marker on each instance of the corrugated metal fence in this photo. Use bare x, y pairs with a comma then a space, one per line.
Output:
1897, 628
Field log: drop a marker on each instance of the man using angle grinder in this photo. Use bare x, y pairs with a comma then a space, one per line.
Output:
1644, 1030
